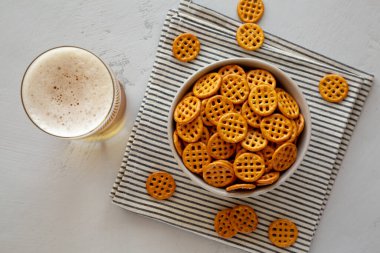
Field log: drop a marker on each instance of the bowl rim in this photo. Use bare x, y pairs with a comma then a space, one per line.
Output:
279, 74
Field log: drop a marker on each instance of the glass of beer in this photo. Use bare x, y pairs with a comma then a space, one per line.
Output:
69, 92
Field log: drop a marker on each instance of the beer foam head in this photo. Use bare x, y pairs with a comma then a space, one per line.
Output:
68, 92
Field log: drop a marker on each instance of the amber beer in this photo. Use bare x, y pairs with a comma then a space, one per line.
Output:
70, 93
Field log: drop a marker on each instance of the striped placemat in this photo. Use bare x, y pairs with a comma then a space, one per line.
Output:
302, 198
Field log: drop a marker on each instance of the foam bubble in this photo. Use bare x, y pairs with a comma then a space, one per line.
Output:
62, 90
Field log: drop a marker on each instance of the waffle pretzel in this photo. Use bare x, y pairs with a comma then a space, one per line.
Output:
250, 11
284, 156
258, 77
222, 224
205, 120
249, 167
195, 157
177, 143
187, 110
268, 178
294, 135
220, 149
218, 174
207, 86
267, 153
205, 135
254, 141
287, 105
232, 127
231, 69
235, 88
300, 122
160, 185
240, 187
333, 88
244, 219
283, 233
186, 47
190, 132
276, 128
263, 100
216, 107
250, 36
229, 164
252, 118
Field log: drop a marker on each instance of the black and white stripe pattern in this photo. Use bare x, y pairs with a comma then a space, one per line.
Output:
302, 198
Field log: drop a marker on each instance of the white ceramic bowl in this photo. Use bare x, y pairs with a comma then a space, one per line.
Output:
286, 82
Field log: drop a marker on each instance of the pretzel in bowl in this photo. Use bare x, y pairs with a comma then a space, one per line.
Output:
235, 88
216, 107
258, 77
218, 174
232, 127
207, 86
237, 128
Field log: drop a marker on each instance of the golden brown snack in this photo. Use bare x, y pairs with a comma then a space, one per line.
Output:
258, 77
235, 88
268, 152
222, 224
207, 86
252, 118
244, 219
195, 157
268, 178
250, 36
218, 174
333, 88
300, 122
160, 185
220, 149
232, 127
250, 11
263, 100
177, 143
190, 132
284, 156
216, 107
283, 233
229, 164
240, 187
205, 120
187, 110
186, 47
293, 136
276, 128
231, 69
287, 105
205, 135
254, 141
249, 167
